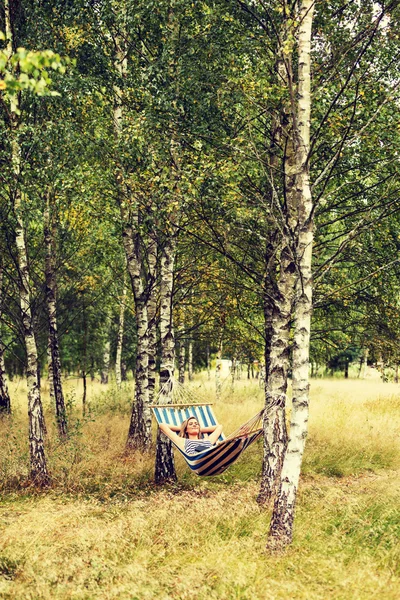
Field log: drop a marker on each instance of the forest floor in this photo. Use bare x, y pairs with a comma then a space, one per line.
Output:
103, 530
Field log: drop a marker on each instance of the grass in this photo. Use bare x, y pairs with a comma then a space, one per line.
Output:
104, 531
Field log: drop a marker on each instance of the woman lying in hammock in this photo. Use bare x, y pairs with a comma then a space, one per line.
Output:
190, 437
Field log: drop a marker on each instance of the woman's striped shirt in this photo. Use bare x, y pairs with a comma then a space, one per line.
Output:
193, 446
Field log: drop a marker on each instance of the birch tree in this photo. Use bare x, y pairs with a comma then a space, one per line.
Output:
165, 465
38, 464
139, 434
120, 336
51, 300
281, 530
5, 402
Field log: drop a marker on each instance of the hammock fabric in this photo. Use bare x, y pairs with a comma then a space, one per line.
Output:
219, 457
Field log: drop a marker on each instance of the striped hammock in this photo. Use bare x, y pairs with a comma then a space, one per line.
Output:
226, 451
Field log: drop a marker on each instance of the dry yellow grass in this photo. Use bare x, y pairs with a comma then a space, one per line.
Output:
104, 531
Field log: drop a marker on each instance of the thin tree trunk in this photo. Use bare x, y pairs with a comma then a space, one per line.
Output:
84, 358
106, 351
5, 403
281, 529
182, 360
152, 318
39, 470
218, 367
51, 300
208, 362
190, 360
120, 338
165, 465
233, 372
139, 434
50, 373
38, 465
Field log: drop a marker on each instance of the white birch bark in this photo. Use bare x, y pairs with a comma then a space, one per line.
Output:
5, 403
105, 369
218, 367
233, 373
139, 434
50, 372
38, 465
278, 303
182, 361
35, 411
165, 465
120, 338
281, 530
190, 360
152, 317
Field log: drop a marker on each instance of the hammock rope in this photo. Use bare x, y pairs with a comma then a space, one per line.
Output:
226, 451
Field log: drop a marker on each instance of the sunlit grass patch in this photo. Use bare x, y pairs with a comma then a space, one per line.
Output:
202, 542
346, 437
105, 531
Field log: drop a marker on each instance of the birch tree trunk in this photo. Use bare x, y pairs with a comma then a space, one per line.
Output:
139, 434
190, 360
152, 318
38, 465
120, 338
278, 302
51, 300
165, 464
281, 530
85, 407
50, 373
182, 360
106, 351
233, 373
218, 367
275, 433
5, 403
39, 472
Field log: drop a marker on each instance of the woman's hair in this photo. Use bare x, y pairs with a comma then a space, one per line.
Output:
183, 431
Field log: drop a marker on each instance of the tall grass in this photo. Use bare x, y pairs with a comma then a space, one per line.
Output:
103, 530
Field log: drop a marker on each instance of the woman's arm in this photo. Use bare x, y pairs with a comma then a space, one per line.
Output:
167, 430
208, 429
215, 434
176, 428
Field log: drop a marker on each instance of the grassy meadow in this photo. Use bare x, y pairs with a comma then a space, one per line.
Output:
103, 530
